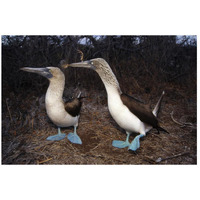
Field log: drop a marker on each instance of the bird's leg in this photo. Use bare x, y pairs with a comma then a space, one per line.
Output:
121, 144
57, 137
135, 144
73, 137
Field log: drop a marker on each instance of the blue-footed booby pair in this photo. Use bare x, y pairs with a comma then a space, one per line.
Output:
60, 113
126, 111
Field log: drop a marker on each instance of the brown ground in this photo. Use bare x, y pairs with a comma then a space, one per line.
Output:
26, 127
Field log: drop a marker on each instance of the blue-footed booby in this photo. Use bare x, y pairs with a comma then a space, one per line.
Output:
60, 113
126, 111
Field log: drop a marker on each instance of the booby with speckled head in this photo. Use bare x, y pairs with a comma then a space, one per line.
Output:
60, 113
126, 111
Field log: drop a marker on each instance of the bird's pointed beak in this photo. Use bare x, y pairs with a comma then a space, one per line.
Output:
41, 71
85, 64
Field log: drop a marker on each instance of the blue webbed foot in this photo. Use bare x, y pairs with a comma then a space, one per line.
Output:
120, 144
57, 137
74, 138
135, 144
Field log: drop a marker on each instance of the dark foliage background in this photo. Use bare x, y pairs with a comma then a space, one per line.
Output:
144, 66
148, 61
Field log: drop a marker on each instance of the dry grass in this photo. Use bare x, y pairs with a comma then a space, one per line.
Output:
26, 127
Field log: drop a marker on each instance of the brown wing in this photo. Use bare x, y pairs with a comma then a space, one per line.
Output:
73, 107
142, 111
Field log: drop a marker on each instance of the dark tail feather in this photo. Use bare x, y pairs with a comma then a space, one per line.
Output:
161, 129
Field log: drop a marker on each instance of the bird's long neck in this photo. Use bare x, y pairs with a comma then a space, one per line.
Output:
55, 91
109, 79
112, 88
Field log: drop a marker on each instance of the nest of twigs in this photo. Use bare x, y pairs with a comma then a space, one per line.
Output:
26, 127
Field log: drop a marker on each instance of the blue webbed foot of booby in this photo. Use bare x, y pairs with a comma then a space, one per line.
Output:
74, 138
135, 144
120, 144
57, 137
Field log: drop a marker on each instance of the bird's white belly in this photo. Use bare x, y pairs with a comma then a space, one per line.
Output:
60, 117
123, 116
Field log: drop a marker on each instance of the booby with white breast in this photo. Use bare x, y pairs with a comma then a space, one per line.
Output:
60, 113
126, 111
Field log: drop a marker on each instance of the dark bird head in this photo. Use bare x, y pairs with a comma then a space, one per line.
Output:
51, 73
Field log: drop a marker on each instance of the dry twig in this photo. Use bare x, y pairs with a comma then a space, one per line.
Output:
42, 145
180, 123
170, 157
40, 162
81, 55
8, 110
